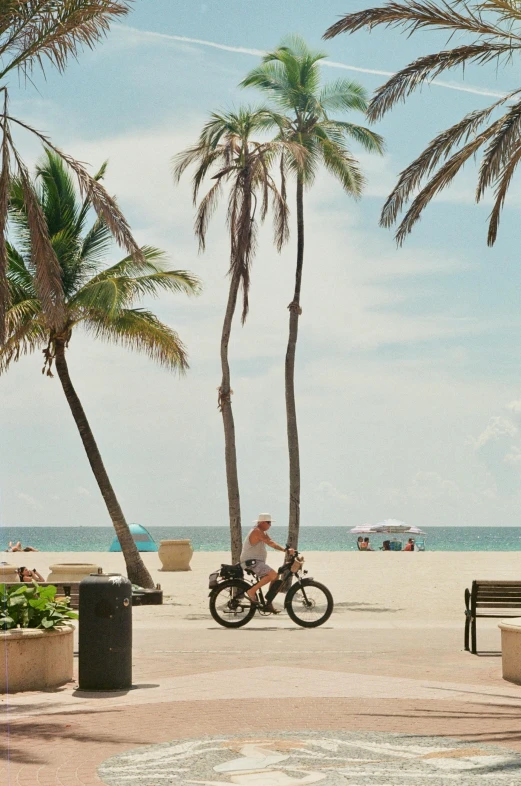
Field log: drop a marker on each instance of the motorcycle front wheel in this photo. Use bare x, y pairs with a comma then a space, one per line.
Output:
309, 604
229, 604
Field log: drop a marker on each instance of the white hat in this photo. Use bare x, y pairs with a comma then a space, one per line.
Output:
264, 517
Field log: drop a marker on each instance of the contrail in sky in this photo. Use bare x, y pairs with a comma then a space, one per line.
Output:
329, 63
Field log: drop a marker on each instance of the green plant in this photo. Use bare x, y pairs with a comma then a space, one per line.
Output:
32, 606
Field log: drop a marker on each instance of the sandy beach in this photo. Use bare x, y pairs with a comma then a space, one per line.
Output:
373, 589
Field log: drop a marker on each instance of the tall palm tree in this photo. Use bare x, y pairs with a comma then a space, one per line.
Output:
290, 76
99, 299
491, 34
34, 33
227, 153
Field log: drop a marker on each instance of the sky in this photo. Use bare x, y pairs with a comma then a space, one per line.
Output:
408, 372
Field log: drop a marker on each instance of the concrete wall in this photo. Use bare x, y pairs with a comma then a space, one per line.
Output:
36, 659
511, 649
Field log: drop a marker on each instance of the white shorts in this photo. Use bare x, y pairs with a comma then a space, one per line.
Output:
260, 568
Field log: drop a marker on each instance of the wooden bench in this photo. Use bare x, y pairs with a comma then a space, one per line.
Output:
490, 599
69, 588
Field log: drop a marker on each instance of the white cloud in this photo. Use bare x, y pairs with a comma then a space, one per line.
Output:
498, 429
515, 408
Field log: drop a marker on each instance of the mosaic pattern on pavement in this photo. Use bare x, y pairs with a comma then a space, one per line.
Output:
330, 758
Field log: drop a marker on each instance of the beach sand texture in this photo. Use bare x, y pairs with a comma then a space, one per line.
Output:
375, 589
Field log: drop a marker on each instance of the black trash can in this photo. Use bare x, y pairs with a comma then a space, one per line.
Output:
105, 632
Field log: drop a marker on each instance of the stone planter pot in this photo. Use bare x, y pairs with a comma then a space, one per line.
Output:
8, 573
71, 571
175, 554
36, 659
511, 649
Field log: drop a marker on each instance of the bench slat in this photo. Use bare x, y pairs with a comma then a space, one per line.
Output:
498, 605
497, 583
497, 616
499, 591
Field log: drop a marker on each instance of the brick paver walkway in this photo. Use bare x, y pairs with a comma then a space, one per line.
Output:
271, 677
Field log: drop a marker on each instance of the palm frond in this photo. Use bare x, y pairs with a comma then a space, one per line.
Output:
48, 281
35, 31
5, 178
437, 150
95, 243
25, 332
413, 15
272, 79
442, 178
207, 208
141, 331
501, 148
87, 205
127, 266
427, 68
111, 295
368, 139
57, 194
343, 94
341, 164
501, 191
18, 274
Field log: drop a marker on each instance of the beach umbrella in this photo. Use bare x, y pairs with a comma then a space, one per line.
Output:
388, 523
362, 529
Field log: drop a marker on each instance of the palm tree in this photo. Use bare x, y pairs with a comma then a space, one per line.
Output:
493, 30
34, 33
100, 300
290, 76
227, 153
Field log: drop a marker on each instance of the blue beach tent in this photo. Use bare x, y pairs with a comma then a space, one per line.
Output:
142, 538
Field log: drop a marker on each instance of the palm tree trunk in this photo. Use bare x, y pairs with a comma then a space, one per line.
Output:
291, 410
136, 570
225, 405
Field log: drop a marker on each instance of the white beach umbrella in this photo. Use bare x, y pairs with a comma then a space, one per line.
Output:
363, 529
386, 523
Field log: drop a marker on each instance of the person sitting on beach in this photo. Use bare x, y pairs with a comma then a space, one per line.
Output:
359, 542
26, 574
366, 545
410, 545
254, 548
18, 547
386, 545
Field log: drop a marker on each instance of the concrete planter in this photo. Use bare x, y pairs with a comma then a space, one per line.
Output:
8, 573
36, 659
71, 571
175, 554
511, 649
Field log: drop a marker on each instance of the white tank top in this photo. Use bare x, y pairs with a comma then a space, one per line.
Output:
253, 551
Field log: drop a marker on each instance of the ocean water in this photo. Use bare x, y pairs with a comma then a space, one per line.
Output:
217, 538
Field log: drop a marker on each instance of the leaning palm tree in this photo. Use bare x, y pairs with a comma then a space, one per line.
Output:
35, 33
491, 34
290, 76
227, 153
99, 299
